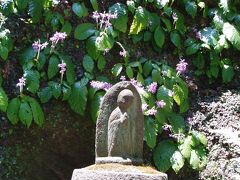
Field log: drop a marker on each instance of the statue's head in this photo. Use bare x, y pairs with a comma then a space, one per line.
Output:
125, 99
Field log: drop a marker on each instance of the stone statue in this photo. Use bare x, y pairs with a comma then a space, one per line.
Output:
119, 131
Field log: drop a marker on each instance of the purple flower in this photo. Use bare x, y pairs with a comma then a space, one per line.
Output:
36, 46
160, 104
104, 19
151, 112
100, 85
144, 107
152, 88
21, 83
123, 78
62, 67
138, 86
181, 66
198, 35
58, 36
174, 16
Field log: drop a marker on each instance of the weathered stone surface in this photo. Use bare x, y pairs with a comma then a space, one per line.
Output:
119, 131
117, 172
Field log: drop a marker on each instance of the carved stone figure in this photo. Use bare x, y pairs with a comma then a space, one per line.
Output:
119, 131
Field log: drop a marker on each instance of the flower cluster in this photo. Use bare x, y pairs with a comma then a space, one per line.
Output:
160, 104
152, 88
144, 107
58, 36
151, 112
62, 67
37, 46
103, 19
21, 83
100, 85
123, 78
181, 66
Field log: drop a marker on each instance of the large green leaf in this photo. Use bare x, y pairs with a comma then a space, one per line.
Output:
191, 8
150, 133
56, 88
94, 4
140, 20
159, 37
35, 9
209, 36
67, 28
163, 153
232, 34
194, 160
78, 98
3, 52
177, 122
120, 23
179, 95
53, 66
227, 73
78, 9
27, 55
88, 63
3, 100
175, 39
177, 161
147, 68
12, 110
32, 78
25, 114
84, 31
117, 69
21, 4
91, 48
163, 94
38, 115
101, 63
45, 94
185, 147
104, 42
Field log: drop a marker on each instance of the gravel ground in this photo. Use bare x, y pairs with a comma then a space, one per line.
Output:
217, 114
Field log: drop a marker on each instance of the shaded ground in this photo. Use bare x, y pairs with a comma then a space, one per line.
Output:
217, 114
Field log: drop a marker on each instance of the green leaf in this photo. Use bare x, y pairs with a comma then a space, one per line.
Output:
159, 37
94, 4
140, 21
163, 94
150, 134
45, 94
70, 73
3, 100
66, 90
27, 55
129, 72
227, 73
167, 23
120, 23
192, 49
35, 10
12, 110
178, 96
95, 104
3, 52
78, 98
53, 66
191, 8
177, 161
32, 80
163, 153
147, 36
147, 68
194, 160
117, 69
156, 76
25, 114
91, 48
21, 4
104, 42
185, 148
56, 88
209, 36
175, 38
84, 31
200, 137
177, 122
232, 34
38, 115
88, 63
101, 63
78, 9
67, 28
180, 26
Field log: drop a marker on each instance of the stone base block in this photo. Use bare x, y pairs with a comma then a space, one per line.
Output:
117, 172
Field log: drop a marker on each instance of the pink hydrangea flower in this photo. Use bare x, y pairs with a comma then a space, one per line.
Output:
181, 66
100, 85
151, 112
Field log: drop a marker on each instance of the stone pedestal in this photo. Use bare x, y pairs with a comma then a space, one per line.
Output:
117, 172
